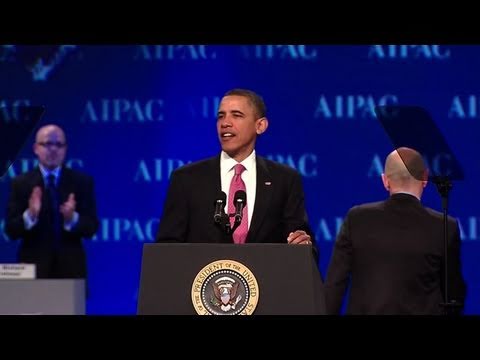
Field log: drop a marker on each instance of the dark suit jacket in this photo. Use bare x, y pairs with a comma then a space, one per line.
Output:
37, 245
189, 206
393, 252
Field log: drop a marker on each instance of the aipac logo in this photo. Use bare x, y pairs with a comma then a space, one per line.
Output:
225, 287
41, 60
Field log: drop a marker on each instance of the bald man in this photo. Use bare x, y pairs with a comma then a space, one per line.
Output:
391, 253
51, 209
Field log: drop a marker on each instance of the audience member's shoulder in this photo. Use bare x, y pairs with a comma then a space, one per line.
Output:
367, 207
24, 177
437, 215
78, 174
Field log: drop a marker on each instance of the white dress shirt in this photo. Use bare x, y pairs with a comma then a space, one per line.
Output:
249, 177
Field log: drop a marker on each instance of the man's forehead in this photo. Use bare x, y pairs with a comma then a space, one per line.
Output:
51, 132
235, 102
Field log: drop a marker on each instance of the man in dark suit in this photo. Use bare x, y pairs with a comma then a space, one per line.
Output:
392, 252
274, 209
51, 208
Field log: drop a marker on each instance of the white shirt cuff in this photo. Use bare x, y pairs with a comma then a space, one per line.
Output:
69, 225
28, 221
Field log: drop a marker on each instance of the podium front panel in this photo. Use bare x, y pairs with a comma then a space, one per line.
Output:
288, 278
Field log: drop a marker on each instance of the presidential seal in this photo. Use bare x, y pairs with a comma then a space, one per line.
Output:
225, 287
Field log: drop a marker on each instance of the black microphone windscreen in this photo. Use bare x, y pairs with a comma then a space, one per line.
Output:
240, 195
221, 196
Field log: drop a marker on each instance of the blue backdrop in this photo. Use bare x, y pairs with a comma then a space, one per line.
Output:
133, 114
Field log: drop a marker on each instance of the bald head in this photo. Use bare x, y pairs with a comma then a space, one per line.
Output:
44, 131
405, 170
50, 146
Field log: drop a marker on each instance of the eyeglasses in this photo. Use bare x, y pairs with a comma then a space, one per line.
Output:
49, 144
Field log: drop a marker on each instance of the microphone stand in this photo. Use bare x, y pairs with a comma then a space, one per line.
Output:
236, 224
227, 227
444, 185
224, 221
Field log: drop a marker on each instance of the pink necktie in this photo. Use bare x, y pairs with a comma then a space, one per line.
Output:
237, 183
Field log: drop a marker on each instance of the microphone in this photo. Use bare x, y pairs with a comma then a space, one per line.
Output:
219, 204
240, 201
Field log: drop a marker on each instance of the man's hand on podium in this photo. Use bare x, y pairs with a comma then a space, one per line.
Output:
299, 237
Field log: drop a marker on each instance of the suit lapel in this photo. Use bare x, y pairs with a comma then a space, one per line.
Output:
37, 179
63, 184
213, 177
210, 189
262, 198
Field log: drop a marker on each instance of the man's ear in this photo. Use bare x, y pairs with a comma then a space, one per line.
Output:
386, 182
262, 125
34, 148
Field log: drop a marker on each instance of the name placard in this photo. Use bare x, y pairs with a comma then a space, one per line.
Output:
17, 271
